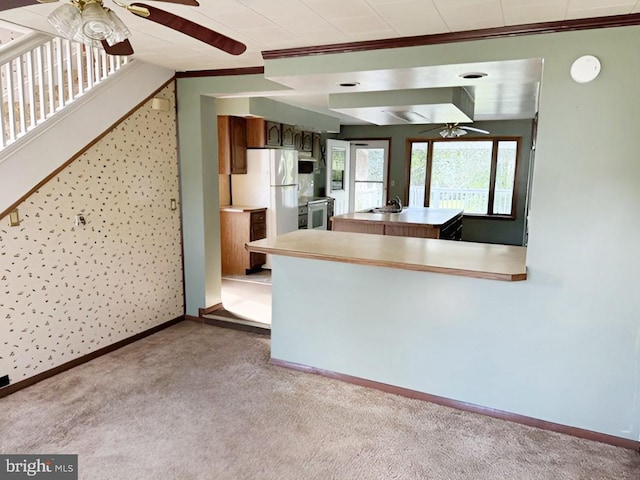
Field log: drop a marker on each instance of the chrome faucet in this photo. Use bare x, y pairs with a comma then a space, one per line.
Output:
396, 203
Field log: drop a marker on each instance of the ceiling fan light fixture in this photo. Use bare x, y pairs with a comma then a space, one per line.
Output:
120, 31
66, 19
96, 24
89, 22
452, 131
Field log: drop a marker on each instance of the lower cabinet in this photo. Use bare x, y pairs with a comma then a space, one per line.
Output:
451, 230
239, 225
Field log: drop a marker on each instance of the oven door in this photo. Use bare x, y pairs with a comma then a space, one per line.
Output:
317, 215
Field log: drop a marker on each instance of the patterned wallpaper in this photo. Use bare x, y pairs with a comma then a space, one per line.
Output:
67, 290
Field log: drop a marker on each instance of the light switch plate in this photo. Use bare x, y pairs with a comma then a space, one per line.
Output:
14, 218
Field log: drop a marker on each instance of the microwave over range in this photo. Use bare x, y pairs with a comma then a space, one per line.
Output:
314, 212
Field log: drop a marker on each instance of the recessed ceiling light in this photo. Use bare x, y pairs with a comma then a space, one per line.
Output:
473, 75
348, 84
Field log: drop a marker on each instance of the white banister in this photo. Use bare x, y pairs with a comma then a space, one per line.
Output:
40, 75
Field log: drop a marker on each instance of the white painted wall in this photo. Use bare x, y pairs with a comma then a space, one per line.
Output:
31, 159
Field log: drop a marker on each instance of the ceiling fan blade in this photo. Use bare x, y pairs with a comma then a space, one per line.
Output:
123, 48
430, 130
9, 4
192, 29
472, 129
191, 3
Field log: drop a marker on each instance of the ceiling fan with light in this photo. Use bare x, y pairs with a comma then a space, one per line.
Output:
455, 130
91, 23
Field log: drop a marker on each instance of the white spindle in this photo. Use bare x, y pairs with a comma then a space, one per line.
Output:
59, 73
105, 64
3, 128
10, 100
21, 95
68, 66
80, 68
41, 92
89, 64
50, 83
31, 87
96, 65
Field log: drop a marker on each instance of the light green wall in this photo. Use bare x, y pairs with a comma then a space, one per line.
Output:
198, 148
570, 347
474, 230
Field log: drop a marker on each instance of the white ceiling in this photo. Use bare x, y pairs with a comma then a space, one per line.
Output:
278, 24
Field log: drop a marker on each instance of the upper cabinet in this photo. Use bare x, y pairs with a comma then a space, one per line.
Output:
288, 136
232, 145
274, 134
306, 144
263, 133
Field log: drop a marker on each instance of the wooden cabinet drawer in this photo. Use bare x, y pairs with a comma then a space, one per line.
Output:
452, 230
258, 217
256, 260
258, 231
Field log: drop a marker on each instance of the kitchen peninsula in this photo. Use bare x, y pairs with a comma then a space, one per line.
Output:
481, 260
389, 310
444, 223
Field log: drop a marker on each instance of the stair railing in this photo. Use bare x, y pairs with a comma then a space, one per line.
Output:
40, 75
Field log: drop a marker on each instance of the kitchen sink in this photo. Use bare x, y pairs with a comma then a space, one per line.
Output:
385, 209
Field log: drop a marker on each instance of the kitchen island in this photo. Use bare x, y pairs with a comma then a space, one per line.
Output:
444, 223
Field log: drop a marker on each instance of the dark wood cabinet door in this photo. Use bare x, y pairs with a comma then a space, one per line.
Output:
307, 142
274, 134
238, 145
287, 136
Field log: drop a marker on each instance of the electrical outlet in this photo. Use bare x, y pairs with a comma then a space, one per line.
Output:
4, 381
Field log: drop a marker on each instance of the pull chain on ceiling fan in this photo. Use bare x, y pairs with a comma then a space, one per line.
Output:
91, 23
455, 130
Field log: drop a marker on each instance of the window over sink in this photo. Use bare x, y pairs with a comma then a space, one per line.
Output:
475, 175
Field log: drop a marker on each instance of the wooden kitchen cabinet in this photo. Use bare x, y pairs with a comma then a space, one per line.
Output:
238, 226
232, 145
445, 224
297, 139
263, 133
306, 145
288, 139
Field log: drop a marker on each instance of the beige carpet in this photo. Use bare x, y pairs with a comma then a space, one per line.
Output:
200, 402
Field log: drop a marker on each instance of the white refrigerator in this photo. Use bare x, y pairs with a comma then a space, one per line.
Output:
271, 181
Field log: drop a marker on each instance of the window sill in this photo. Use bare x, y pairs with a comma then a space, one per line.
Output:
488, 217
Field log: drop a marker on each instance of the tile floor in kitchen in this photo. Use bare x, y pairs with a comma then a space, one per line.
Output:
248, 297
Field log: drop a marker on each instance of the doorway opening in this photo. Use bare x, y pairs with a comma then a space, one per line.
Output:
246, 300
